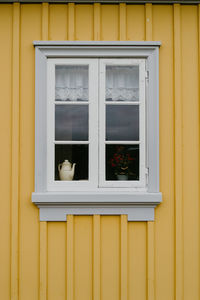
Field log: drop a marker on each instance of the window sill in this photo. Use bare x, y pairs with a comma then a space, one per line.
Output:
55, 206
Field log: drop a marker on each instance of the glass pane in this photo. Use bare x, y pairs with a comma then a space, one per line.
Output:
71, 122
122, 162
71, 83
122, 122
65, 158
122, 83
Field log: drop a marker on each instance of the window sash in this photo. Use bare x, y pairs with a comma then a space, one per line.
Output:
102, 116
92, 181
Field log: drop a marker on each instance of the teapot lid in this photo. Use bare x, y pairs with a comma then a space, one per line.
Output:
66, 162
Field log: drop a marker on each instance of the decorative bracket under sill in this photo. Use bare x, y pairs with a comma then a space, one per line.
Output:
56, 206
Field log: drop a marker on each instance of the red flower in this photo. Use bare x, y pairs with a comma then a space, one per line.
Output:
121, 160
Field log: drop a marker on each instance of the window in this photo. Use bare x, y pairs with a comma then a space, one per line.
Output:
96, 129
95, 124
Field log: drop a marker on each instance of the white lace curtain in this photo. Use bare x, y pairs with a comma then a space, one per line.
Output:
71, 83
122, 83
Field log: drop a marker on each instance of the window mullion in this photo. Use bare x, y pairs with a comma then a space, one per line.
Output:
93, 123
102, 123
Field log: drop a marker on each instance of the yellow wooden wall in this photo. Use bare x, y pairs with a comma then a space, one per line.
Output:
93, 257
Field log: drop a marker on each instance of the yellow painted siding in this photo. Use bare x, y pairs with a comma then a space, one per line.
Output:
5, 150
94, 257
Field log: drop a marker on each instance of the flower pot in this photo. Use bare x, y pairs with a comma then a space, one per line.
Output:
122, 177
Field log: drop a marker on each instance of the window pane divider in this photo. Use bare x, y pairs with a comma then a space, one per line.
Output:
123, 142
71, 102
71, 142
122, 103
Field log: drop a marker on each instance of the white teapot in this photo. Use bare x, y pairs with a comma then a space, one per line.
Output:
66, 170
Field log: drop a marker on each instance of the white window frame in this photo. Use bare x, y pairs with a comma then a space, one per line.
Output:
137, 203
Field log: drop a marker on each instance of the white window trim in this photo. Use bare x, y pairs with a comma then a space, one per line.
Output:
138, 205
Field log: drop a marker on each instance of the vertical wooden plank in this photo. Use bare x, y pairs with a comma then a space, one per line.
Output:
148, 21
43, 261
15, 156
96, 258
31, 26
43, 225
110, 258
178, 156
122, 21
6, 26
199, 97
137, 260
164, 225
56, 261
109, 22
135, 22
45, 21
70, 258
97, 23
84, 22
190, 154
150, 225
57, 22
83, 257
71, 22
150, 261
124, 261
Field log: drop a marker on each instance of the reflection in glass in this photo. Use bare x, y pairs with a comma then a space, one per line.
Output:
122, 162
77, 154
71, 122
122, 83
122, 122
71, 83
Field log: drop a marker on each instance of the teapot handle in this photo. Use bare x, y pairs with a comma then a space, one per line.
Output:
59, 168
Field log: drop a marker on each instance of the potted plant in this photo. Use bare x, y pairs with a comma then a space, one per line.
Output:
120, 163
